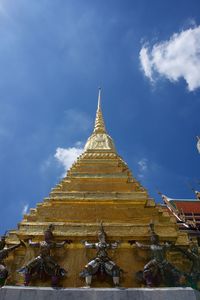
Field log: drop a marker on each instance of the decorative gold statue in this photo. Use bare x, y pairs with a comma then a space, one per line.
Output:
44, 265
158, 270
101, 263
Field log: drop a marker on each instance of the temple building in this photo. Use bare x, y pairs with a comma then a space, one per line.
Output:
186, 212
99, 187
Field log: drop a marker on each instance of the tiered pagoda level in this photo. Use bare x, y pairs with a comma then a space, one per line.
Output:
98, 187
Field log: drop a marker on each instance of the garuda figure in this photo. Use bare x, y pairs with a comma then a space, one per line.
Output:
101, 264
158, 270
44, 265
4, 252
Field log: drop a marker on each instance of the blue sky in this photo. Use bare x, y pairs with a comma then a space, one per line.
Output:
53, 57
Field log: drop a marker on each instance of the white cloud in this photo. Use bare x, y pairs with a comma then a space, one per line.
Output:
25, 209
179, 57
142, 167
146, 62
67, 156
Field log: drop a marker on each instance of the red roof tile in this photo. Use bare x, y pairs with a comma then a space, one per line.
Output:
188, 206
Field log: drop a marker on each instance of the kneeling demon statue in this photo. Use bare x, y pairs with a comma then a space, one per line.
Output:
101, 263
44, 265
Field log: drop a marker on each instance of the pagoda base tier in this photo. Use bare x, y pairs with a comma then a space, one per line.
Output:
33, 293
74, 257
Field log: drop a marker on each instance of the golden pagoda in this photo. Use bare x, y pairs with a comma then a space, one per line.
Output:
99, 187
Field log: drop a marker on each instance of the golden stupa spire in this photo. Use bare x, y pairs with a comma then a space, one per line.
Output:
99, 126
99, 140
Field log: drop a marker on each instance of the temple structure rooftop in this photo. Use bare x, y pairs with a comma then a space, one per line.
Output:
186, 211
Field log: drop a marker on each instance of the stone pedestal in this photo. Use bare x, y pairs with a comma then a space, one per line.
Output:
37, 293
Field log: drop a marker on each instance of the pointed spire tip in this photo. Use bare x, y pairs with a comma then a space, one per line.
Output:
99, 99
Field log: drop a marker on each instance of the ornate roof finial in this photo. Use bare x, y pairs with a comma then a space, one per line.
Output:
99, 140
99, 126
